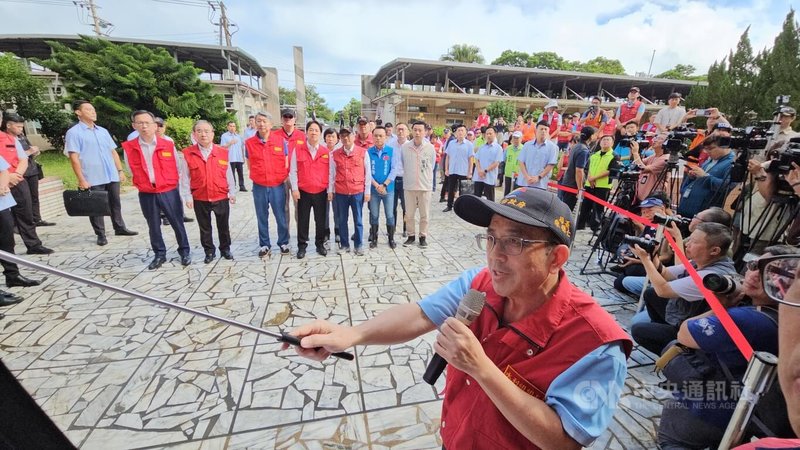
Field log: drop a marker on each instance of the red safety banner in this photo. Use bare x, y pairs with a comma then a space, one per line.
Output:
720, 311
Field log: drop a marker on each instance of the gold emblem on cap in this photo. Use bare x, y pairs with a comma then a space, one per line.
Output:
513, 202
563, 224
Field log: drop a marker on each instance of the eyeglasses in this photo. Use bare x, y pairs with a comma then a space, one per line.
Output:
778, 275
509, 245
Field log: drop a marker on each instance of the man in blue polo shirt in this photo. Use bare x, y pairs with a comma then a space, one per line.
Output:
235, 145
94, 159
459, 164
384, 162
487, 162
10, 270
537, 159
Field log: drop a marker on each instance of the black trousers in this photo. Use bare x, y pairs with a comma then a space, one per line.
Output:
569, 199
222, 211
592, 212
510, 184
453, 183
98, 223
23, 216
483, 189
167, 203
399, 197
10, 270
238, 171
33, 187
319, 203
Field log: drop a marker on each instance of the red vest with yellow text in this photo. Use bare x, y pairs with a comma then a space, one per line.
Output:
628, 113
269, 161
313, 173
165, 166
566, 328
8, 150
350, 171
208, 179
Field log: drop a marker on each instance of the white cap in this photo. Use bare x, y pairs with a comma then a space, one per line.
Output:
551, 104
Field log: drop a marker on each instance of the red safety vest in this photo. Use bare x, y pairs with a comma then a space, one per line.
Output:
366, 143
208, 178
628, 113
562, 331
269, 160
165, 166
554, 121
292, 141
313, 173
350, 171
8, 150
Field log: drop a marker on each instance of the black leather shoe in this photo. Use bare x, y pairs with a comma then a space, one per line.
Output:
20, 281
158, 261
448, 209
226, 254
209, 258
186, 260
44, 223
441, 200
187, 219
11, 300
242, 189
101, 240
164, 221
9, 295
321, 250
126, 232
301, 253
40, 250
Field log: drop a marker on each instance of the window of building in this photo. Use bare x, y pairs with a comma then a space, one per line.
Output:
417, 108
461, 111
228, 101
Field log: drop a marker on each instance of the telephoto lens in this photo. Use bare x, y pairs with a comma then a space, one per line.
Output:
721, 284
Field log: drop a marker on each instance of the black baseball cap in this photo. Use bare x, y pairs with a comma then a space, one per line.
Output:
288, 112
344, 131
13, 117
362, 120
529, 206
675, 95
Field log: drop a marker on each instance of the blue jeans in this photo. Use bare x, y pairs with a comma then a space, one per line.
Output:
634, 285
170, 203
264, 197
355, 203
375, 201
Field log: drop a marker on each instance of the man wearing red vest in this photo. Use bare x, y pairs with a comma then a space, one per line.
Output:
542, 366
157, 171
309, 173
213, 189
363, 137
631, 109
268, 161
349, 187
552, 117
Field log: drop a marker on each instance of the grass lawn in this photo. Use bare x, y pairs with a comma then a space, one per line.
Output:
55, 164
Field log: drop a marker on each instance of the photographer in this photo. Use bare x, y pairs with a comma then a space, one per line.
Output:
575, 174
674, 296
698, 419
623, 148
707, 184
631, 266
670, 117
650, 167
594, 117
597, 183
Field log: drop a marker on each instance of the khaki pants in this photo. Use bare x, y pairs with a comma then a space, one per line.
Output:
417, 200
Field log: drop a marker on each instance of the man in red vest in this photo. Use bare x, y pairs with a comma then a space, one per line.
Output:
213, 189
157, 173
631, 109
542, 365
552, 117
309, 173
267, 155
349, 188
363, 137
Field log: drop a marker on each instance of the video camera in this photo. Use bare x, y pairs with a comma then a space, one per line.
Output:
638, 137
749, 138
722, 284
647, 244
788, 154
676, 144
668, 220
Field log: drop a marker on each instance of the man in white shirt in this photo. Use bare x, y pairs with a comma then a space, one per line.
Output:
671, 116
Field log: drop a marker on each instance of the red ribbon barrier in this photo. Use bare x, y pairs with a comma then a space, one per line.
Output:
721, 312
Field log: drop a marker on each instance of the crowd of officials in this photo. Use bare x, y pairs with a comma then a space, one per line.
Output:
333, 173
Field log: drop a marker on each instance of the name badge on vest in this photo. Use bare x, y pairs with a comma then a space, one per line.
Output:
166, 154
222, 162
299, 142
278, 149
522, 383
325, 156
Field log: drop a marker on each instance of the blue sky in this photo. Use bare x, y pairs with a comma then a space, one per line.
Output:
346, 38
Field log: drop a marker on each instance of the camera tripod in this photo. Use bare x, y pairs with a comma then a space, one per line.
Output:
769, 227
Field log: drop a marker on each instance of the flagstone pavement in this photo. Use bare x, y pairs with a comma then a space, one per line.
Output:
115, 372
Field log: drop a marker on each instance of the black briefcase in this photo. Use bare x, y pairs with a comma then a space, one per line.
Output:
86, 203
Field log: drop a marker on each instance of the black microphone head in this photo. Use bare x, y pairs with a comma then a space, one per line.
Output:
470, 306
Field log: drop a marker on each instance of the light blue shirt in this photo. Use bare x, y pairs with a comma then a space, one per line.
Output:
6, 201
235, 151
487, 155
536, 157
584, 396
133, 135
94, 147
458, 157
249, 132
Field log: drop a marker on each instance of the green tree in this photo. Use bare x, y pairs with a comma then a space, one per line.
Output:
547, 60
180, 129
512, 58
287, 96
779, 68
502, 108
463, 53
738, 95
349, 113
679, 72
22, 92
603, 65
314, 102
120, 78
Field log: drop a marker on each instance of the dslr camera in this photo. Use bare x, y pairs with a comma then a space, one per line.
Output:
647, 244
722, 284
638, 137
665, 220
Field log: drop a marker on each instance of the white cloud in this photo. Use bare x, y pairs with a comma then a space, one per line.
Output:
360, 36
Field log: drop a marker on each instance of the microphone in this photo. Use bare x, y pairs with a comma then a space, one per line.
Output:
469, 308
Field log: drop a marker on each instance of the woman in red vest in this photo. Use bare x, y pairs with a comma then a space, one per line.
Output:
213, 189
309, 172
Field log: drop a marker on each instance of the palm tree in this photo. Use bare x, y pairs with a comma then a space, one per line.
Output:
463, 53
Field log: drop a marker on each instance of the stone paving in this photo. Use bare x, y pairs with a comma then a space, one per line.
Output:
114, 372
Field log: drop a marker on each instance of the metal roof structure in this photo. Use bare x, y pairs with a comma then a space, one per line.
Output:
210, 58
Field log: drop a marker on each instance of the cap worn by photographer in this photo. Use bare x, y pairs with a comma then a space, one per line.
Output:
650, 202
788, 111
529, 206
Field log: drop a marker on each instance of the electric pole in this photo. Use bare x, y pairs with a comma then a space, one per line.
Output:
224, 23
95, 18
